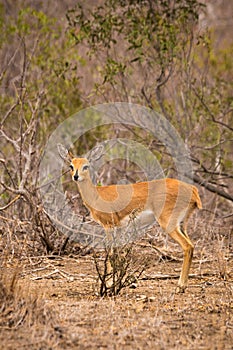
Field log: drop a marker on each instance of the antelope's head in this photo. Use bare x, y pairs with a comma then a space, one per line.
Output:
79, 168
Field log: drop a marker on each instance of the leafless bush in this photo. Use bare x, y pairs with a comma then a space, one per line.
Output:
118, 268
26, 101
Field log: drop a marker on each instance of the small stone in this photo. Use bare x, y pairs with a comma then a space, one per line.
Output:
152, 299
141, 297
133, 286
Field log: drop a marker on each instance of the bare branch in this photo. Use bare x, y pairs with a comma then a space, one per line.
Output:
11, 202
13, 142
210, 187
8, 113
9, 62
201, 99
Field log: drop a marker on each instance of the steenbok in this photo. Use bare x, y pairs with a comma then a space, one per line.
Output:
168, 201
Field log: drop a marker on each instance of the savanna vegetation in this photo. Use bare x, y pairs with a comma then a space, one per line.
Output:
57, 58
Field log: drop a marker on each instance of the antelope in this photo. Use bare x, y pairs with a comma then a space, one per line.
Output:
168, 201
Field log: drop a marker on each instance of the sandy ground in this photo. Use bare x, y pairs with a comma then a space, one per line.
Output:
150, 316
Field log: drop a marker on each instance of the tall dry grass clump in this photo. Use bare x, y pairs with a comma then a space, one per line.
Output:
24, 316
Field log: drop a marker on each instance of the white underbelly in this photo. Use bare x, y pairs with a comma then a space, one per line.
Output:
141, 220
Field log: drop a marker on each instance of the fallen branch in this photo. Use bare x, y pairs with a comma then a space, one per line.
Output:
56, 271
169, 277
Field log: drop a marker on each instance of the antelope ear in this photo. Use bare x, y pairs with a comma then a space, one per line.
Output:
96, 153
70, 155
64, 153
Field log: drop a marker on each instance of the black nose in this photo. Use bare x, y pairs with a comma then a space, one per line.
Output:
76, 176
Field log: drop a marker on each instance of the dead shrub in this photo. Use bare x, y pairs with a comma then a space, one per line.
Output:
125, 269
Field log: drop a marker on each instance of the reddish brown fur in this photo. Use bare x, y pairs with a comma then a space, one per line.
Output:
171, 201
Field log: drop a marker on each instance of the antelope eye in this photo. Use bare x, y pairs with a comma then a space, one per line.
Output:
71, 167
85, 167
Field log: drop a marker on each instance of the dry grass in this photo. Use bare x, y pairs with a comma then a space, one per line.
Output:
50, 302
25, 319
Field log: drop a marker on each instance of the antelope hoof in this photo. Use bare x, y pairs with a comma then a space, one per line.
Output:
180, 289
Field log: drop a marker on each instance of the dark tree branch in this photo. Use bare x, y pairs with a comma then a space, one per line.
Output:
211, 188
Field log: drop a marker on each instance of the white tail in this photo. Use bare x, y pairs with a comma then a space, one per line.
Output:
168, 201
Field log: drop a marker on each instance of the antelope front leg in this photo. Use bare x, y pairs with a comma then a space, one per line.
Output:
109, 252
187, 247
